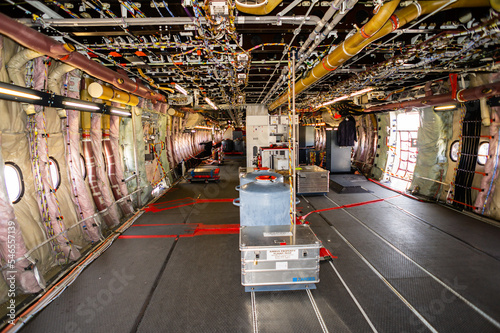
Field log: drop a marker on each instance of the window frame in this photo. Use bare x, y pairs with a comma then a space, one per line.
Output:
21, 181
53, 160
451, 149
485, 157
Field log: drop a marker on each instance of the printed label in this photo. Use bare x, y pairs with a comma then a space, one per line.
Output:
281, 265
278, 234
282, 254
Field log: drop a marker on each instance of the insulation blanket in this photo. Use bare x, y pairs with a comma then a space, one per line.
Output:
432, 161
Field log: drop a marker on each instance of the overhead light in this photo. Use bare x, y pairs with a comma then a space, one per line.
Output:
180, 89
338, 99
445, 107
209, 102
360, 92
82, 105
17, 93
203, 127
118, 112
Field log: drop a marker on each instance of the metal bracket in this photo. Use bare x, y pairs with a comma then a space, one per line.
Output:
290, 7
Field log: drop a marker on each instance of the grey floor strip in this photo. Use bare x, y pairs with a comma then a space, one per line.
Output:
316, 310
404, 300
255, 321
354, 299
463, 299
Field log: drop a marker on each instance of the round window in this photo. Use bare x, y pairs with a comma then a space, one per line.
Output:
454, 150
482, 154
55, 175
83, 167
14, 182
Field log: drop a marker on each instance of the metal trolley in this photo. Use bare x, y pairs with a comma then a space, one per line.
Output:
273, 259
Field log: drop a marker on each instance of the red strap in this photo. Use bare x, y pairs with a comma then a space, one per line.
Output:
454, 85
395, 22
64, 58
363, 33
325, 67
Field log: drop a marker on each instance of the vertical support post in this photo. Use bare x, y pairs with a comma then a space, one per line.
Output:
294, 194
138, 178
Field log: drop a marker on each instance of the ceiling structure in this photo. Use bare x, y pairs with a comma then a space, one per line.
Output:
238, 53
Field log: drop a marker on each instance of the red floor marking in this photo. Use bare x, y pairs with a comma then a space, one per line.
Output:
214, 200
145, 236
154, 225
154, 209
349, 206
201, 229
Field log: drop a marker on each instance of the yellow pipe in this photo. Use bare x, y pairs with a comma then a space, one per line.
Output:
85, 116
106, 122
106, 93
355, 44
262, 8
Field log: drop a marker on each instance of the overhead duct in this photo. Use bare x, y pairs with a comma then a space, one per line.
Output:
262, 8
463, 95
99, 91
380, 25
144, 21
66, 53
174, 113
16, 68
54, 83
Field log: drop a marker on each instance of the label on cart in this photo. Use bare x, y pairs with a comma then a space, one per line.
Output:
282, 254
278, 234
282, 265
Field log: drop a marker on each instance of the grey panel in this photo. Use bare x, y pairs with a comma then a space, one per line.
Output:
110, 293
286, 311
200, 290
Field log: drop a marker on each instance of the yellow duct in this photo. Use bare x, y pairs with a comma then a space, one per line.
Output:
85, 116
370, 33
106, 123
106, 93
262, 8
174, 113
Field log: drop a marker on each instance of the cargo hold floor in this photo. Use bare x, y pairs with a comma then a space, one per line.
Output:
402, 266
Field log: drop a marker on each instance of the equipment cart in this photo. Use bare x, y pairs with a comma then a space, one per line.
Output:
204, 173
272, 259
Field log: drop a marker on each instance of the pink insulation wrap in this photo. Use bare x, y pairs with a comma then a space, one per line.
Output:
103, 182
10, 235
484, 198
118, 178
94, 183
54, 215
12, 239
82, 198
48, 202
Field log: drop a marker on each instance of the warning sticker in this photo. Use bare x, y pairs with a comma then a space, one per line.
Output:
277, 234
282, 254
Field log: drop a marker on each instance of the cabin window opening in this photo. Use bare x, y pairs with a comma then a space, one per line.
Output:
14, 182
403, 149
83, 167
55, 174
454, 149
482, 154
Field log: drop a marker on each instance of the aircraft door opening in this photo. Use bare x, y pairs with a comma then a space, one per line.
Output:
403, 150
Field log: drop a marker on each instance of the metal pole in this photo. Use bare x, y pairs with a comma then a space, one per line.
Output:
294, 195
134, 135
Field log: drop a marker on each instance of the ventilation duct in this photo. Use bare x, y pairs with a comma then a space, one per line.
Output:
66, 53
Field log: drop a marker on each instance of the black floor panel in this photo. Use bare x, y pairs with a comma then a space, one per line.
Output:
200, 290
109, 294
285, 311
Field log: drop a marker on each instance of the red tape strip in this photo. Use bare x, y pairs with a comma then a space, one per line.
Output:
348, 206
